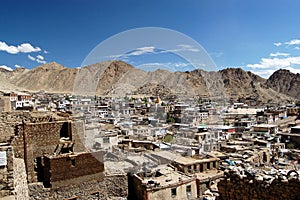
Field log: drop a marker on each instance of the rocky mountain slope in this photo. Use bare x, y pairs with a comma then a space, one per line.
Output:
117, 78
285, 82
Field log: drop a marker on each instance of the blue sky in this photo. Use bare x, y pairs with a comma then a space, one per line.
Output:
260, 36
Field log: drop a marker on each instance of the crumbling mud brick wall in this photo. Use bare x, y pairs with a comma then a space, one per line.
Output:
41, 129
108, 187
5, 105
71, 166
250, 188
6, 172
20, 180
260, 157
78, 136
34, 140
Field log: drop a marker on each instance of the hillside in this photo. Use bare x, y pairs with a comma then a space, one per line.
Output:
285, 82
117, 78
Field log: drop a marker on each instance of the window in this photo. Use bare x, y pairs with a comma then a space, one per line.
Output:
173, 192
106, 140
73, 162
208, 165
188, 189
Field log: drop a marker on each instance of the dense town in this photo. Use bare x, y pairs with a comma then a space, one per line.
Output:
62, 146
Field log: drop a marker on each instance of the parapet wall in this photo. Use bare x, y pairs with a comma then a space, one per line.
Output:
259, 187
9, 121
71, 166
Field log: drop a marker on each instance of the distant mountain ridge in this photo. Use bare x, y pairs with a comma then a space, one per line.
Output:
285, 82
117, 78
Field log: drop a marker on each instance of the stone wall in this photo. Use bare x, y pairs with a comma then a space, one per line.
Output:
71, 166
42, 131
10, 120
6, 172
260, 157
34, 140
20, 180
254, 188
108, 187
5, 105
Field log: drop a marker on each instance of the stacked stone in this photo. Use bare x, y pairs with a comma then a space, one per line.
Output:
110, 187
258, 187
7, 173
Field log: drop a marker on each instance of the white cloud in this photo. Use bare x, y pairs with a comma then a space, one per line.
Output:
263, 73
41, 61
187, 47
40, 57
278, 54
46, 52
216, 54
31, 58
277, 44
297, 48
8, 49
181, 47
18, 66
276, 63
154, 50
167, 66
292, 69
6, 68
293, 42
142, 50
22, 48
28, 48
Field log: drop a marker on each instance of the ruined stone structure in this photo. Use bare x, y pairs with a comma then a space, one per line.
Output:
6, 170
106, 187
65, 168
35, 147
251, 187
34, 140
5, 105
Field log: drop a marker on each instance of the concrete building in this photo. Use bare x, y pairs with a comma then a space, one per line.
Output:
163, 182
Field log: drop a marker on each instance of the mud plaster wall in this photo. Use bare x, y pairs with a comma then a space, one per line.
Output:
34, 140
73, 166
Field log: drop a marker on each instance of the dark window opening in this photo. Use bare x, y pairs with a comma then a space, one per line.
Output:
64, 131
106, 140
215, 164
188, 189
39, 168
173, 192
73, 162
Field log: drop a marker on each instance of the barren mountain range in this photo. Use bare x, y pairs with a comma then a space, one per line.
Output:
119, 78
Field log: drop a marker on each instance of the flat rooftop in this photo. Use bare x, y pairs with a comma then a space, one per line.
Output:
192, 161
165, 176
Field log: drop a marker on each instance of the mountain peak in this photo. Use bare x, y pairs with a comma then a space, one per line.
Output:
119, 78
50, 66
285, 82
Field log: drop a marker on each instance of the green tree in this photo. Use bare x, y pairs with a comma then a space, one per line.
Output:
67, 98
290, 146
170, 119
